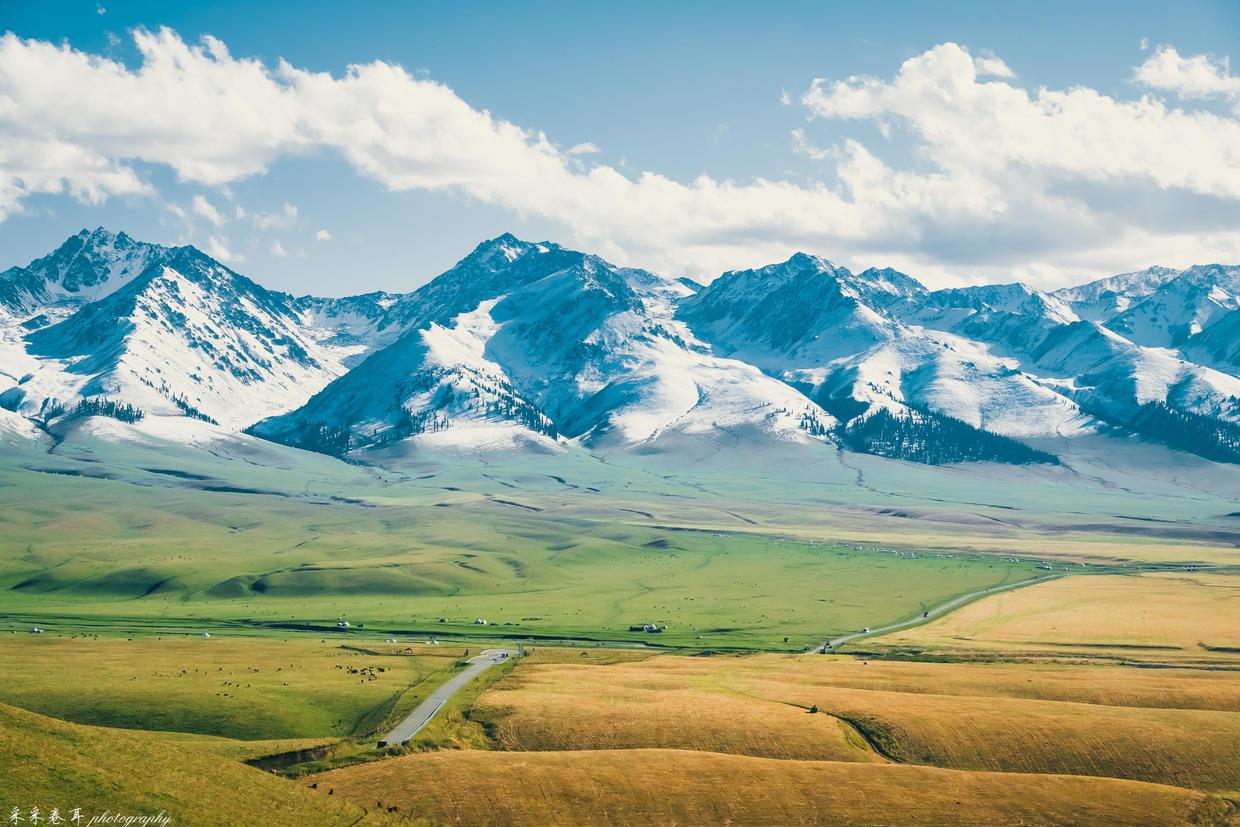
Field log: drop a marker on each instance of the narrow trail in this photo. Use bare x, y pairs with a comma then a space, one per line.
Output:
426, 710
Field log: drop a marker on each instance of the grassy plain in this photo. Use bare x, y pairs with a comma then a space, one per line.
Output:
1072, 680
664, 702
241, 688
136, 534
1018, 712
46, 763
1172, 617
108, 554
686, 787
757, 705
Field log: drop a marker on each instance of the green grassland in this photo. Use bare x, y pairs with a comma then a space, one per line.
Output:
126, 551
181, 561
241, 688
247, 536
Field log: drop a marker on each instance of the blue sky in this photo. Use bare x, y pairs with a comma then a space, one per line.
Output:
680, 90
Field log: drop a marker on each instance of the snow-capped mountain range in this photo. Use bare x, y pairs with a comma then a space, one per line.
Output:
532, 344
535, 343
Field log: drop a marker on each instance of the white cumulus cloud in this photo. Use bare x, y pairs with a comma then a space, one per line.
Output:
322, 235
1198, 76
1008, 181
982, 129
988, 63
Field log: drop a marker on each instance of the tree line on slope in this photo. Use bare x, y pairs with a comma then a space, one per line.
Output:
1205, 436
934, 439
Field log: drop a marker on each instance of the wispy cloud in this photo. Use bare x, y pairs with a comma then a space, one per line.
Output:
802, 146
204, 208
284, 218
217, 247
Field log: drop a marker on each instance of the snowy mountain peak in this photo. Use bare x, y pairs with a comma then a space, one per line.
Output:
87, 266
493, 269
524, 343
181, 335
91, 256
1219, 279
1017, 297
892, 281
186, 334
876, 286
800, 261
1104, 298
501, 251
1181, 307
533, 344
800, 312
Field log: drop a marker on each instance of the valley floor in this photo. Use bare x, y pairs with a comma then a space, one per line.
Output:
209, 604
1044, 705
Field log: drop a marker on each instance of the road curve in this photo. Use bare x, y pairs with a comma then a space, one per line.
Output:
942, 608
426, 710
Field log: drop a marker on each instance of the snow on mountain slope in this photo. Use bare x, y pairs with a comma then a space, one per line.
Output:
85, 268
801, 313
838, 336
955, 376
171, 332
15, 427
1017, 299
560, 343
1143, 375
628, 371
353, 325
1218, 345
1074, 349
1104, 372
1100, 300
491, 269
524, 344
185, 335
1011, 317
1005, 358
1182, 307
1080, 360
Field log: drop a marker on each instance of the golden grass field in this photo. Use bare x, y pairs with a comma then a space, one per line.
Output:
1157, 617
48, 764
644, 706
757, 705
1007, 722
1102, 683
681, 787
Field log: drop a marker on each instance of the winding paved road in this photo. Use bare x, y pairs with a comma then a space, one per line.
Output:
938, 610
426, 710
